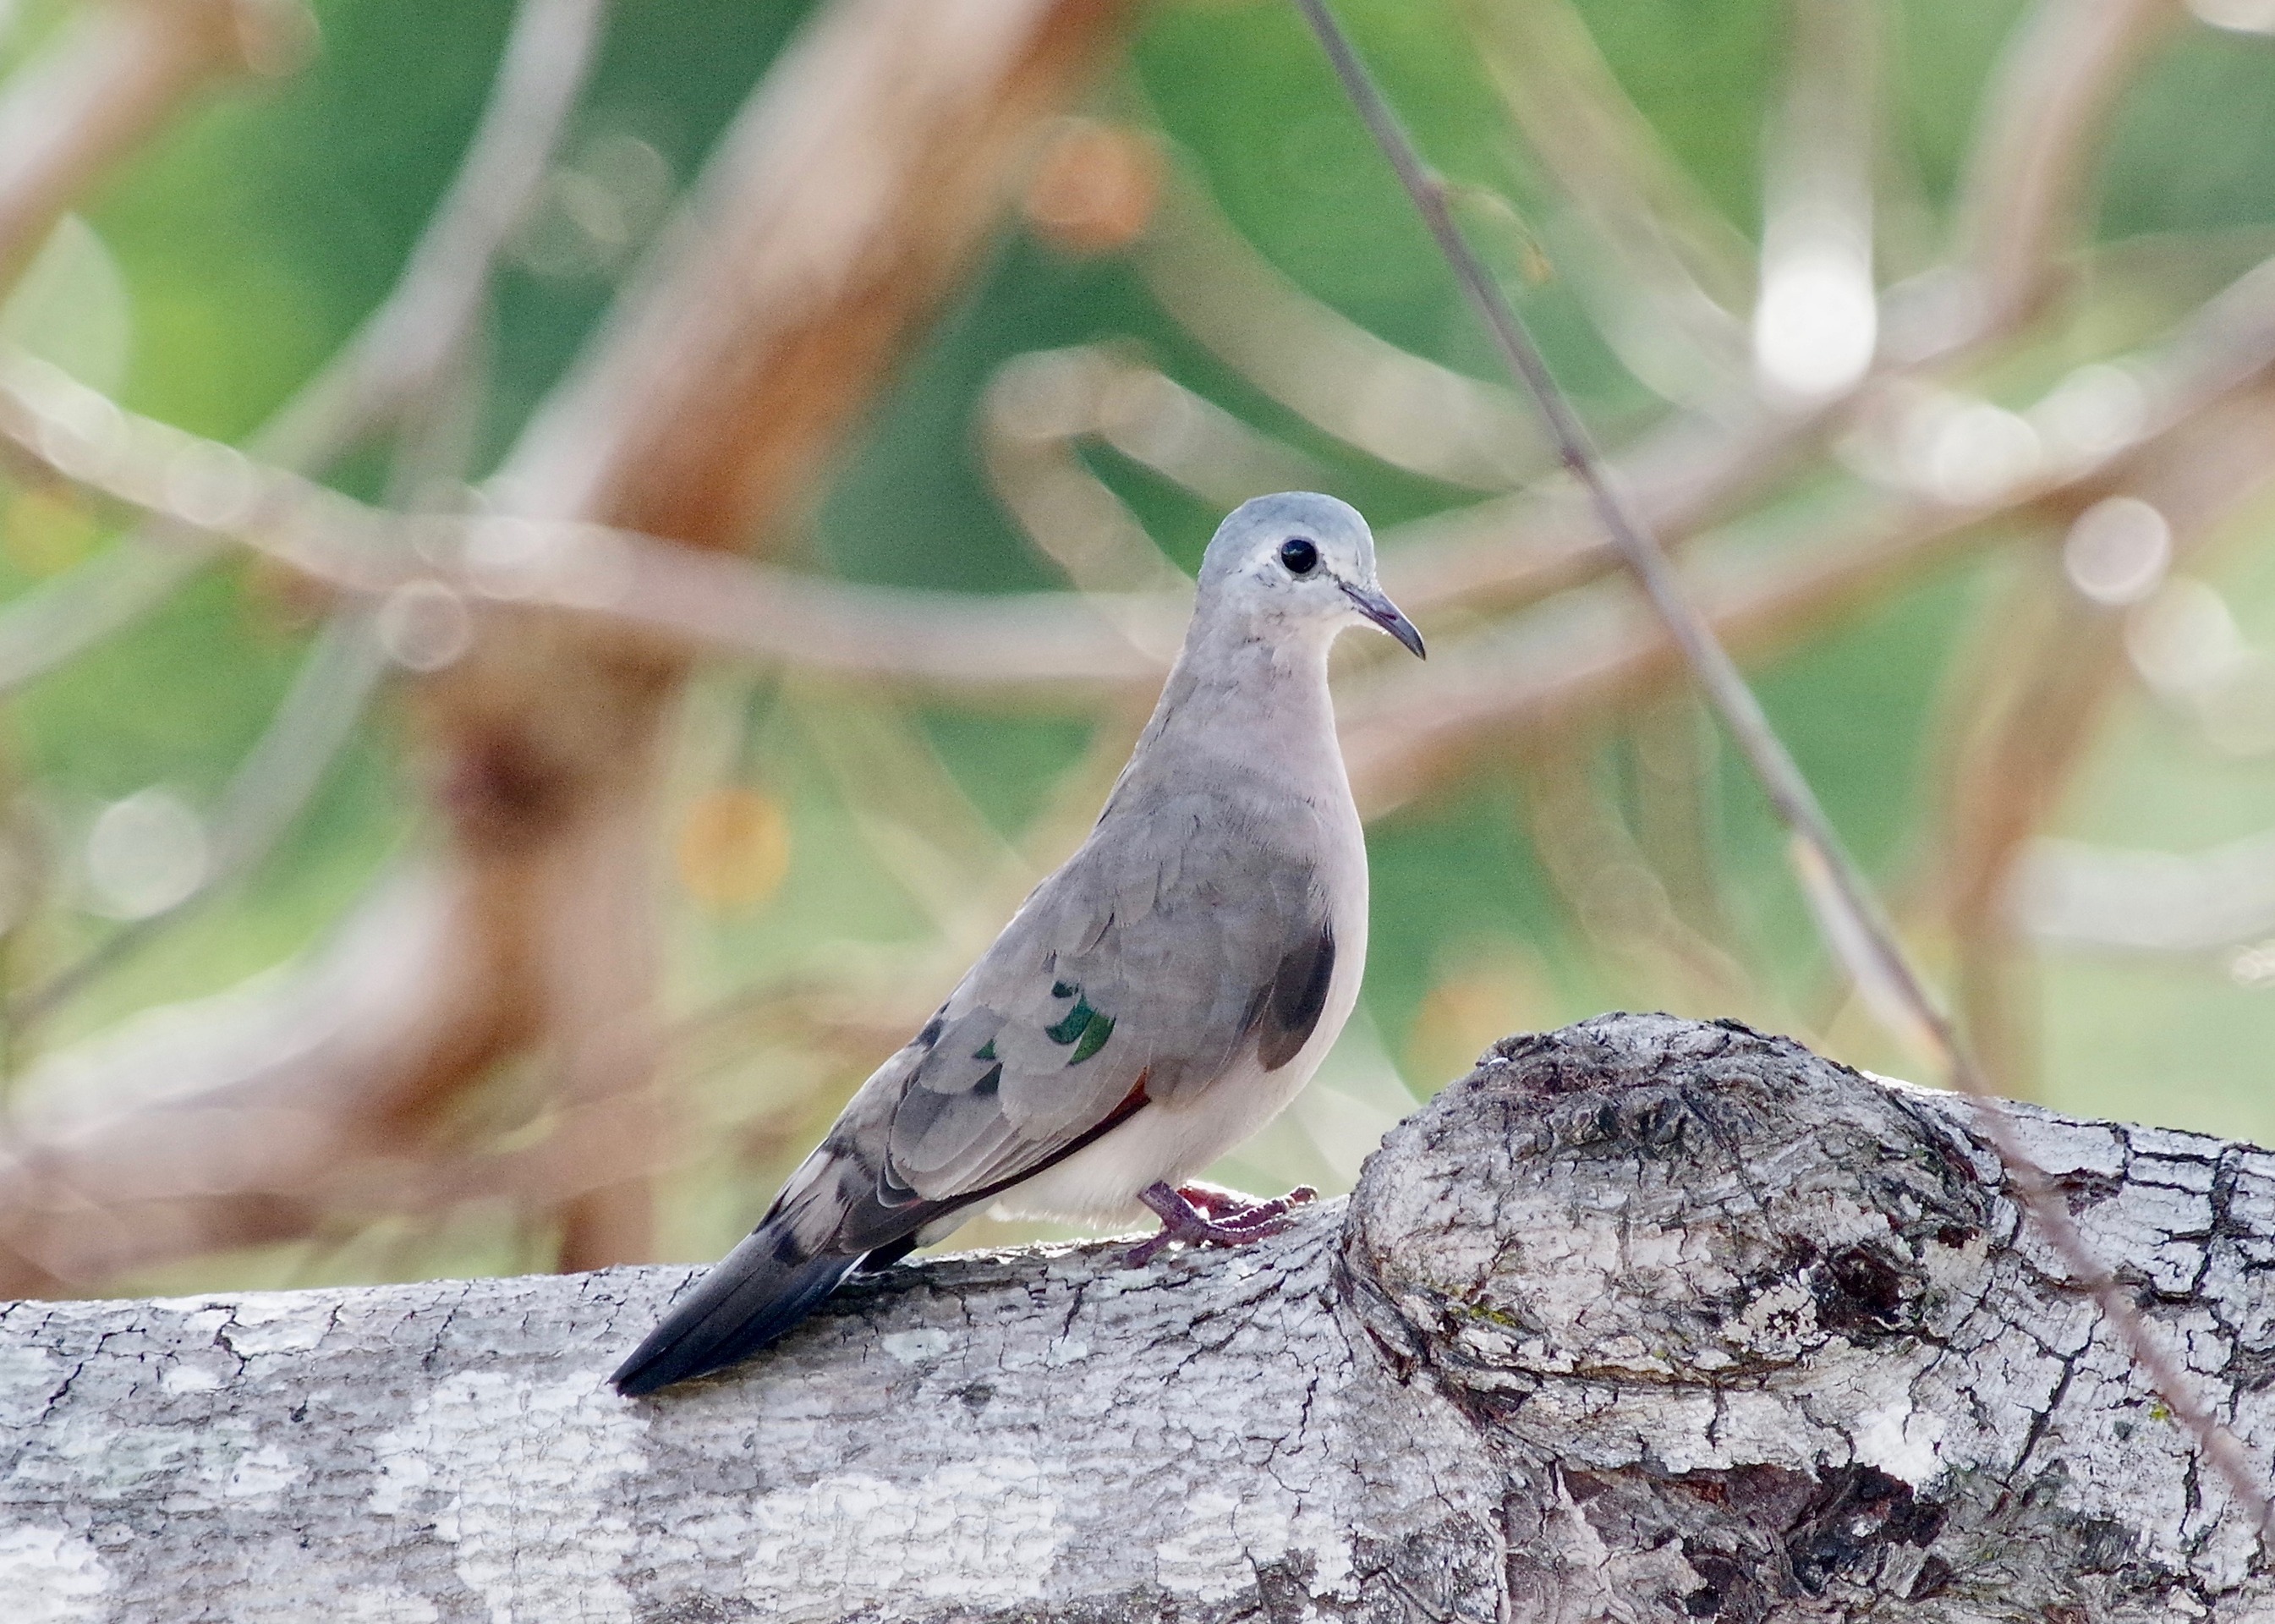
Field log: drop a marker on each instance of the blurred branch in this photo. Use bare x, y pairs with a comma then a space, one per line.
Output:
412, 356
680, 598
115, 74
1038, 406
840, 211
1675, 270
1392, 405
813, 245
2071, 894
1518, 548
2023, 193
2059, 655
391, 363
53, 620
1848, 916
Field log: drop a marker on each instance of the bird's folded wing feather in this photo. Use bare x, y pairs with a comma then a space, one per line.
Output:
1138, 973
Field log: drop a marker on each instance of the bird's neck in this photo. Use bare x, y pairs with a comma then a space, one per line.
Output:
1252, 696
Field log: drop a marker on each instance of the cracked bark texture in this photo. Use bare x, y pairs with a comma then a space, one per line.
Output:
1643, 1319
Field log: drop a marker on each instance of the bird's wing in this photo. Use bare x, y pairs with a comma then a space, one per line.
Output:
1144, 968
1138, 973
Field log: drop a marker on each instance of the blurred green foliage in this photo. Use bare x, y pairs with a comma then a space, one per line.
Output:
254, 235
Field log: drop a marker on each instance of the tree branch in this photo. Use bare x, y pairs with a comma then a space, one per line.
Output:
1643, 1319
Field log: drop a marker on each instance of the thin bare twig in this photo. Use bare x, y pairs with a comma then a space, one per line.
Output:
1589, 650
1848, 913
2099, 426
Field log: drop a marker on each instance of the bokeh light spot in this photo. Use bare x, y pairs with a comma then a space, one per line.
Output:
2117, 551
734, 848
145, 854
1095, 189
1817, 325
425, 626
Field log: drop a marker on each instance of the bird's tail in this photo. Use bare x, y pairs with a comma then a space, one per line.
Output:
748, 1297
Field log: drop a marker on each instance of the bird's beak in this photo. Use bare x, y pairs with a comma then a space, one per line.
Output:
1385, 614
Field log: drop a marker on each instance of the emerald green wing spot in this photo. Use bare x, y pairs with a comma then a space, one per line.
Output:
1093, 1039
1072, 1028
985, 1051
1084, 1027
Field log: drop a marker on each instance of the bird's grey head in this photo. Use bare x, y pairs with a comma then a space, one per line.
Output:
1295, 567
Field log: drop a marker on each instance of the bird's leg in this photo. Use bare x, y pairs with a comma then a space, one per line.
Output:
1210, 1215
1237, 1206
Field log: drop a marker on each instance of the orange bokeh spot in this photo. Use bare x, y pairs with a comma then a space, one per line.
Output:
734, 848
1096, 188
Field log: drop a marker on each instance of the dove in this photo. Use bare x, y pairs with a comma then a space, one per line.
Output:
1152, 1004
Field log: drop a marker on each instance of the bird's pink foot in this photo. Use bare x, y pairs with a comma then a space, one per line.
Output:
1236, 1206
1210, 1215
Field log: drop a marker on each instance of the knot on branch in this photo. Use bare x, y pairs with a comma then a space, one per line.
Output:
1643, 1199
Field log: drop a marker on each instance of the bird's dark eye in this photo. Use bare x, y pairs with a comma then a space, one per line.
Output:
1299, 555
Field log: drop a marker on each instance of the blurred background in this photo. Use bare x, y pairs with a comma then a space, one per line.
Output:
567, 565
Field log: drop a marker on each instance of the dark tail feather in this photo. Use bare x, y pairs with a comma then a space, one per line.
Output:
751, 1296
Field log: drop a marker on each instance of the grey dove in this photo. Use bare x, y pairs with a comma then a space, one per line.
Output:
1153, 1003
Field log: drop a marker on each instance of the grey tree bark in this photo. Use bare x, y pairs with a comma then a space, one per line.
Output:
1643, 1319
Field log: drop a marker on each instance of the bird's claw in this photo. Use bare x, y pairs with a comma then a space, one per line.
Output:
1210, 1215
1233, 1206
